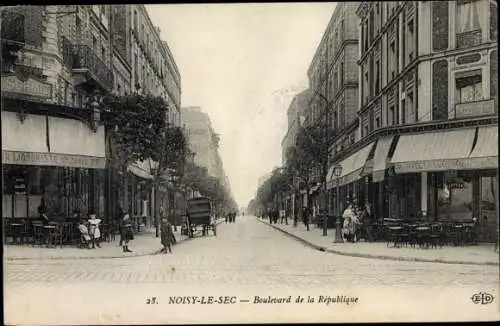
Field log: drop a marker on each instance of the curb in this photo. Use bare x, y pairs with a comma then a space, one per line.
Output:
139, 254
381, 257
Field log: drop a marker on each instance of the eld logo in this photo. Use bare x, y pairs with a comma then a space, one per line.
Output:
482, 298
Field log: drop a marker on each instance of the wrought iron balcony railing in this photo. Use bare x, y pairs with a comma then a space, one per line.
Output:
80, 56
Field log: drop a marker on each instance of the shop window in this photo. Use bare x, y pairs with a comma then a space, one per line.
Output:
455, 196
469, 89
468, 28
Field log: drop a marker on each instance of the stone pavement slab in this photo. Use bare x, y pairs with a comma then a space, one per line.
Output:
483, 254
144, 243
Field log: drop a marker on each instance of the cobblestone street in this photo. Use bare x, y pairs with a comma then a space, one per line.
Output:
247, 258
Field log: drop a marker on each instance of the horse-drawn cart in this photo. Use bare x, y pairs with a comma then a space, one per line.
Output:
200, 214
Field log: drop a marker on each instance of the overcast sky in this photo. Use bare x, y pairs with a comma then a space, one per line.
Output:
242, 64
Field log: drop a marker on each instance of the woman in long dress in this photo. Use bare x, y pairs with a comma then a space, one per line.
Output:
350, 223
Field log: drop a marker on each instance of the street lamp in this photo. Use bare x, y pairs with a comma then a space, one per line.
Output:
337, 171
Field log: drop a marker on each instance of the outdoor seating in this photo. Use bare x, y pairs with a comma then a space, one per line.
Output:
38, 233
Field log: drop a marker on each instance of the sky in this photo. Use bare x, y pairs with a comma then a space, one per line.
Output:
242, 64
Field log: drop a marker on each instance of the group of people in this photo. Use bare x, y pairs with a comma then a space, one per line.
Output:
230, 217
357, 222
91, 233
356, 225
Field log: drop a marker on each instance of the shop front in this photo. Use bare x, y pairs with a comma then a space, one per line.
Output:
140, 192
447, 176
51, 165
349, 185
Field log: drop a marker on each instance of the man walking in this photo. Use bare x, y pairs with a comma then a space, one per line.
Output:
167, 236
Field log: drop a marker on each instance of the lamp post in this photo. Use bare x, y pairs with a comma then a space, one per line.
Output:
337, 170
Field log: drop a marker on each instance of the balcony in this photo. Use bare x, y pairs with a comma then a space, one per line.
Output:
475, 109
89, 71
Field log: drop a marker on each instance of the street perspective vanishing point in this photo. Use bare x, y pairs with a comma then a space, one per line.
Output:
250, 163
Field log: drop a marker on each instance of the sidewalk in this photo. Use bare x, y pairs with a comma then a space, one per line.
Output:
144, 243
470, 255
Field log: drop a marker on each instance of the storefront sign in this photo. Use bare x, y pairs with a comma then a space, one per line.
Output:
450, 164
52, 159
475, 109
30, 86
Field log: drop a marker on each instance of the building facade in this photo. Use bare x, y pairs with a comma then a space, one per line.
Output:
428, 111
333, 83
203, 141
63, 59
53, 148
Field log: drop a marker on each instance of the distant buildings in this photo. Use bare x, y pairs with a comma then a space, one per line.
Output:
297, 110
203, 141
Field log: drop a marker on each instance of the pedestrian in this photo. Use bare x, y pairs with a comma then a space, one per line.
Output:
234, 217
227, 217
127, 233
305, 217
84, 234
350, 223
94, 231
167, 236
367, 222
118, 222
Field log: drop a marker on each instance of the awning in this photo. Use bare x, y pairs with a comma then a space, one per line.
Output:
142, 169
485, 153
352, 167
51, 141
434, 151
380, 158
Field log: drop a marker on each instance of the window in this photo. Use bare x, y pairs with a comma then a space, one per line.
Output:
411, 42
94, 41
411, 114
341, 75
493, 21
403, 111
469, 89
392, 57
119, 89
440, 21
392, 115
365, 131
66, 92
377, 122
103, 53
135, 21
468, 28
377, 77
493, 74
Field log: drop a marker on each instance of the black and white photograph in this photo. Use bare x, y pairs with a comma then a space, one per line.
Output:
248, 163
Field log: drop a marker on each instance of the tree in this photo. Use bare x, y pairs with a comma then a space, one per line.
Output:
135, 125
170, 158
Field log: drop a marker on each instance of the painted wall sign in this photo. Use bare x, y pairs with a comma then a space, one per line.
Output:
30, 86
50, 159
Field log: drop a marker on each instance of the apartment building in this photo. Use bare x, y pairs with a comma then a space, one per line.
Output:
53, 146
64, 59
299, 107
428, 112
203, 140
333, 83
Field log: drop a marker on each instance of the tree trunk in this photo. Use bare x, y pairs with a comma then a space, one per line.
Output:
156, 217
126, 205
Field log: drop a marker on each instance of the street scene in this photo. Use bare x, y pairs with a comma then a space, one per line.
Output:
116, 290
250, 163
